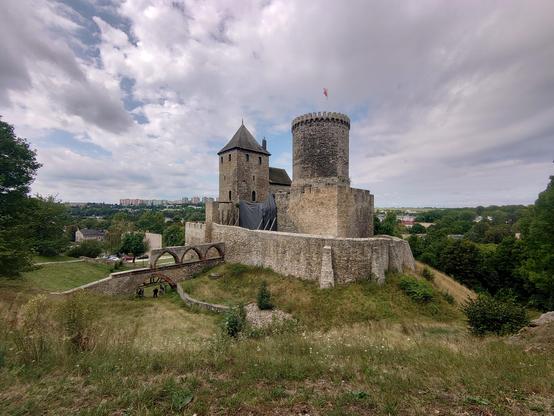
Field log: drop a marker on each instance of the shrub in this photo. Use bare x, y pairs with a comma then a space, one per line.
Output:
418, 290
264, 297
87, 248
427, 274
492, 315
234, 321
76, 316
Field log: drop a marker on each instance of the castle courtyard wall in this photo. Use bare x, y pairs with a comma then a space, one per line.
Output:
303, 256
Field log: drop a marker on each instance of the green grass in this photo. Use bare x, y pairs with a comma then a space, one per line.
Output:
358, 349
58, 277
44, 259
345, 304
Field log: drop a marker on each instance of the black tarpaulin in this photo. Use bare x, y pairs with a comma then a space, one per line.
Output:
258, 215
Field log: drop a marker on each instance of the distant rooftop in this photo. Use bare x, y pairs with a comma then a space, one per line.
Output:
244, 140
278, 176
89, 232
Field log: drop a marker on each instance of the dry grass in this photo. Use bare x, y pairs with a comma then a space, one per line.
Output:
359, 349
447, 284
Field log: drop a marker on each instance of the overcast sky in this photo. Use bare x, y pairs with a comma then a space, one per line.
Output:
452, 102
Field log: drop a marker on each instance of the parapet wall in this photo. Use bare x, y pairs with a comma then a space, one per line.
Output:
326, 260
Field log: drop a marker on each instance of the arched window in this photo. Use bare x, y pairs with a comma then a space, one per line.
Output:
229, 157
253, 196
247, 157
229, 195
259, 160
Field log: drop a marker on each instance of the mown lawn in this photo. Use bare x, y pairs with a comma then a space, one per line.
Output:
357, 349
63, 276
44, 259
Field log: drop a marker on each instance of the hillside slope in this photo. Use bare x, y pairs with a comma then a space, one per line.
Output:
448, 284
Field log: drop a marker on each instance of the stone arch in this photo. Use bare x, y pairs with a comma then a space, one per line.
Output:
157, 256
211, 249
188, 250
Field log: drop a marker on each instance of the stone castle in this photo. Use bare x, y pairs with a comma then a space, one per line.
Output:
319, 200
324, 228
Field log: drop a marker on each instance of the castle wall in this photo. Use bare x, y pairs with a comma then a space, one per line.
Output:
273, 188
313, 210
354, 212
303, 256
196, 233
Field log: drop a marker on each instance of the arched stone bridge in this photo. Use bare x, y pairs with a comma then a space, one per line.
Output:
179, 252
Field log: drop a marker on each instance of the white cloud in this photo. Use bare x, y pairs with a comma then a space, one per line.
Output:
451, 103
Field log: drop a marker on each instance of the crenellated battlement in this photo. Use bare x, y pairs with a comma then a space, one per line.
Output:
325, 116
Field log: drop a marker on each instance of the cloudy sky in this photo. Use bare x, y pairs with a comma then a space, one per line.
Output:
452, 102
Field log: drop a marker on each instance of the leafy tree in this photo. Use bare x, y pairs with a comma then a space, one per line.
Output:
388, 226
463, 260
173, 235
418, 229
87, 248
120, 226
538, 234
18, 166
151, 221
47, 218
133, 244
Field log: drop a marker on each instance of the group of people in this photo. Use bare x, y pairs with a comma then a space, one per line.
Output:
157, 291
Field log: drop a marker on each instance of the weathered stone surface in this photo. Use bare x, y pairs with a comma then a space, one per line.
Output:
179, 253
327, 276
320, 149
301, 255
544, 319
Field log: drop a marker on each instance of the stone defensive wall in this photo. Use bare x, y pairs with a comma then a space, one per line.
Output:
327, 260
127, 282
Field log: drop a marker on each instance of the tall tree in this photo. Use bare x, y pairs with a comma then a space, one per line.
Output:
133, 244
174, 235
151, 221
47, 219
18, 166
538, 235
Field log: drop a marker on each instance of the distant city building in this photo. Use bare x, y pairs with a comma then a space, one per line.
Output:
87, 234
195, 200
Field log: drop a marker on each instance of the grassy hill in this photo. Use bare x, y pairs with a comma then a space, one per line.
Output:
356, 349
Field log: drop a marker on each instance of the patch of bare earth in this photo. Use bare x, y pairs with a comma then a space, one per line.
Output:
263, 318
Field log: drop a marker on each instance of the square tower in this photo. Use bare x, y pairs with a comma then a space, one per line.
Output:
243, 169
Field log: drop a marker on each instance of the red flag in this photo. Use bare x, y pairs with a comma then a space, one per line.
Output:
325, 92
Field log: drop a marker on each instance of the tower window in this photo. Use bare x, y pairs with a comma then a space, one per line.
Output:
229, 195
247, 157
221, 159
253, 196
229, 157
253, 178
259, 160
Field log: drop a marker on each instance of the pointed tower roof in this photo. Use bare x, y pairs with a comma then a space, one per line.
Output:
244, 140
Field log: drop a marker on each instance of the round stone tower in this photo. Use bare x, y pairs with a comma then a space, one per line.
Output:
320, 149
